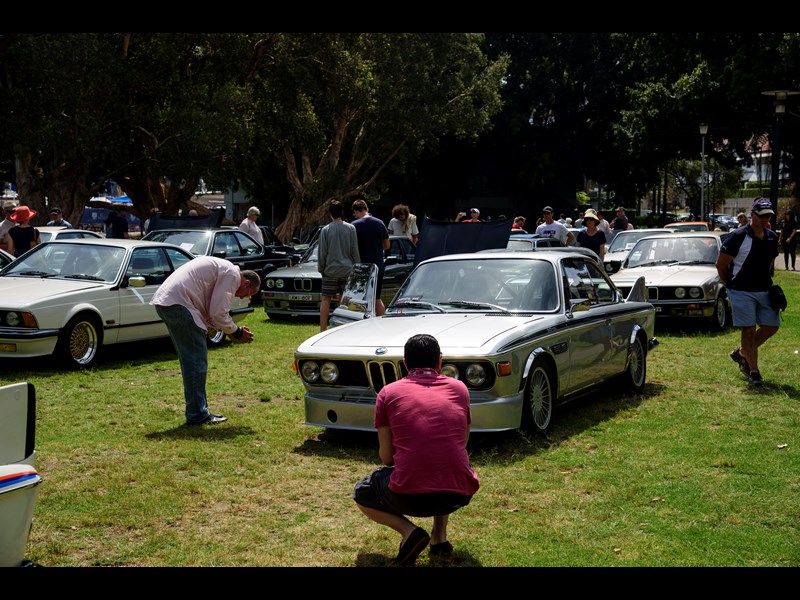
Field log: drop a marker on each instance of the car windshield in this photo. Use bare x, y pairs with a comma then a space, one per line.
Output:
627, 239
674, 249
195, 242
500, 286
62, 260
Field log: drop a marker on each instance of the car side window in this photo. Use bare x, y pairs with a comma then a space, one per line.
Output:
587, 282
149, 263
177, 259
249, 247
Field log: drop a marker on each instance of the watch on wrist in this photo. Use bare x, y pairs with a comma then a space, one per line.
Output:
237, 334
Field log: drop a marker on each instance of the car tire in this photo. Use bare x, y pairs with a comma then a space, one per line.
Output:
721, 317
79, 342
540, 399
216, 339
636, 369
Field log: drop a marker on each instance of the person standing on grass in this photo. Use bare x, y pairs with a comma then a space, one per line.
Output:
336, 255
788, 238
745, 264
423, 424
195, 298
248, 225
590, 236
551, 228
373, 241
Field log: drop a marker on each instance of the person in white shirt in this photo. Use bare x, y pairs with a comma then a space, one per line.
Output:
551, 228
249, 224
197, 297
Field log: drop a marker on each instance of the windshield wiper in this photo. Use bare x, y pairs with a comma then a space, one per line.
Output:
653, 262
82, 276
417, 304
467, 304
35, 273
696, 262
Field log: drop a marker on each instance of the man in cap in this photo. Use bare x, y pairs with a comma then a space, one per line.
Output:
58, 220
551, 228
745, 264
9, 206
119, 225
474, 216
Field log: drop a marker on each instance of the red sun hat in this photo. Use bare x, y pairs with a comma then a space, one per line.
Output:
22, 214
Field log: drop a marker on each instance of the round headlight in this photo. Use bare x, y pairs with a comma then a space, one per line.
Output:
695, 292
310, 371
270, 284
329, 372
12, 319
449, 370
680, 293
279, 283
476, 375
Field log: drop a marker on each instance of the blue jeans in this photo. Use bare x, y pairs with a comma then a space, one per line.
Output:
190, 344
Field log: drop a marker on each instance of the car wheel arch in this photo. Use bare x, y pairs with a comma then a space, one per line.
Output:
83, 353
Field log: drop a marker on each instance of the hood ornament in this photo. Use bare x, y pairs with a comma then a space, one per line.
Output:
381, 350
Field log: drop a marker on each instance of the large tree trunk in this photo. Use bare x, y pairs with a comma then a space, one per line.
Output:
147, 193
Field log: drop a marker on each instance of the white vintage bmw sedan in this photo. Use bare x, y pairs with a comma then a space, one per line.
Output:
525, 331
70, 298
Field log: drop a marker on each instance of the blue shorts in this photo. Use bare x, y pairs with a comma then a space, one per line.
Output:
752, 308
373, 491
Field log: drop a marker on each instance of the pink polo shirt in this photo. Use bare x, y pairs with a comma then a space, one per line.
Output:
207, 287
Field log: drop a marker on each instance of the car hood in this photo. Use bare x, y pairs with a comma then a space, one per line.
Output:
17, 291
686, 275
302, 270
457, 332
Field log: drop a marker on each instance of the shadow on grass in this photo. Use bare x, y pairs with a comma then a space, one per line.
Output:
459, 559
338, 443
210, 433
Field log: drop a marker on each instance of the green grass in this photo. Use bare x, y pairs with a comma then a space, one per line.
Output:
700, 470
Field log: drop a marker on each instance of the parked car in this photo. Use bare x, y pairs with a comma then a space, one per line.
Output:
617, 250
681, 276
71, 298
532, 241
297, 290
274, 244
687, 226
224, 242
53, 232
525, 331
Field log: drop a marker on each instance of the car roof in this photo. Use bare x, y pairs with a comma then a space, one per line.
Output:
125, 243
551, 254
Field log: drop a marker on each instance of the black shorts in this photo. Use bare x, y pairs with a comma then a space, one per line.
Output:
373, 492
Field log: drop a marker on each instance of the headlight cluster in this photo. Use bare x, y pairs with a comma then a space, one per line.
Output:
312, 372
274, 283
474, 373
13, 318
692, 292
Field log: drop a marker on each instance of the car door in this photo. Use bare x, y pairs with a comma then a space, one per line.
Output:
358, 297
399, 262
138, 319
595, 336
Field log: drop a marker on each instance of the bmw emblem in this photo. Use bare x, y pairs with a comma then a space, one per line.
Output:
381, 350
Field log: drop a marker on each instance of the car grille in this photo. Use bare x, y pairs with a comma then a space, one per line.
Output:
652, 293
383, 372
304, 284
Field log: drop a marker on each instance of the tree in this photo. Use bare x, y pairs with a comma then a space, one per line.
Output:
339, 110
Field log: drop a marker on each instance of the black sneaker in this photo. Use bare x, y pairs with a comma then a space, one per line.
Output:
736, 356
755, 379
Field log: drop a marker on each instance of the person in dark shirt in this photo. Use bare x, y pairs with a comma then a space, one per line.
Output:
373, 241
119, 226
745, 264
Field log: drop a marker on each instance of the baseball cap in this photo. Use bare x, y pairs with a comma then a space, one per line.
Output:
762, 206
55, 211
547, 209
474, 210
619, 208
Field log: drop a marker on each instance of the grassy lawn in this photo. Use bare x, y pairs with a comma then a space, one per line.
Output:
700, 470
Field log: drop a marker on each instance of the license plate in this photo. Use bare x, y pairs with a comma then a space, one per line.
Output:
300, 297
8, 347
658, 308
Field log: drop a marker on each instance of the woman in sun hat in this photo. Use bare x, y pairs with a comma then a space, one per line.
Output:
590, 236
23, 237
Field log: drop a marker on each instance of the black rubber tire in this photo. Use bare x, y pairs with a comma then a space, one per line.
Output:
540, 399
79, 342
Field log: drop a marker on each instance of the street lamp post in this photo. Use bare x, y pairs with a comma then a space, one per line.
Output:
780, 109
703, 132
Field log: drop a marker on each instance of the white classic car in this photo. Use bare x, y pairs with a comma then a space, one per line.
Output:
681, 276
70, 298
617, 251
524, 331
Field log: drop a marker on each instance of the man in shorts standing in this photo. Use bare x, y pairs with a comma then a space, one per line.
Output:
745, 264
423, 424
338, 252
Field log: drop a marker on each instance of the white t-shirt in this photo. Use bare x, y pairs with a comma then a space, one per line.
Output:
554, 229
408, 229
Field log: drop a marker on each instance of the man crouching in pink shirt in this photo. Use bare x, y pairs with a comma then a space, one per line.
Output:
197, 297
423, 426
